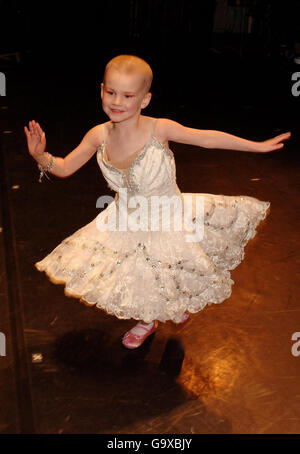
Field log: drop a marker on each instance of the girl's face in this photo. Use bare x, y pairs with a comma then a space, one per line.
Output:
123, 95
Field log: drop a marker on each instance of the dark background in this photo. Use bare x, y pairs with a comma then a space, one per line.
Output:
206, 56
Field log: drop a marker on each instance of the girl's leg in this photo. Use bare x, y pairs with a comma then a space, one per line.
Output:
185, 317
138, 334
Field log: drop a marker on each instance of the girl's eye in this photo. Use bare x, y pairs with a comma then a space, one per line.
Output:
111, 93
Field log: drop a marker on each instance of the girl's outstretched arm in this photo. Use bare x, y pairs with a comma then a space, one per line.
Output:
62, 167
175, 132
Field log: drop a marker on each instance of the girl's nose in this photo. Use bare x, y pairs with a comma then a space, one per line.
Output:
117, 100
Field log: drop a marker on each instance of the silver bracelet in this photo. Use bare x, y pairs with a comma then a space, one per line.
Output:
44, 170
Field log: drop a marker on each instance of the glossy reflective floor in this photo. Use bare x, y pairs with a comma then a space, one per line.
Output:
231, 367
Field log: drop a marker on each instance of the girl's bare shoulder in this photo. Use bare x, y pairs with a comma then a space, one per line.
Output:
97, 133
160, 130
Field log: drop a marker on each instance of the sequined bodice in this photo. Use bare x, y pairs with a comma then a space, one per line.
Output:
152, 172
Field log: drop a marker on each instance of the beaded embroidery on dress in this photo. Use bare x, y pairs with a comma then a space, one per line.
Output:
154, 274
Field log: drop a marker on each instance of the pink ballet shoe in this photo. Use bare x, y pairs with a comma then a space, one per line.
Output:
184, 318
138, 334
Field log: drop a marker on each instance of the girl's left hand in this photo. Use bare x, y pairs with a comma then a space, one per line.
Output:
273, 144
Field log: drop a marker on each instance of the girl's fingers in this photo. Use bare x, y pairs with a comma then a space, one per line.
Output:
284, 136
32, 126
34, 129
40, 129
27, 132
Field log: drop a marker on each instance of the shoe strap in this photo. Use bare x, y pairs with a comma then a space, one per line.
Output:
140, 329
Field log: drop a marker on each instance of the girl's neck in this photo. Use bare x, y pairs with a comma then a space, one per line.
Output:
128, 127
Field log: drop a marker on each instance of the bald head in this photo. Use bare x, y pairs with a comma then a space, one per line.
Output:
131, 64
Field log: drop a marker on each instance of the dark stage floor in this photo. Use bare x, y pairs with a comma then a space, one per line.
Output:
231, 368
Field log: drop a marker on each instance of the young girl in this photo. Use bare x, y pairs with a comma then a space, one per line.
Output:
149, 275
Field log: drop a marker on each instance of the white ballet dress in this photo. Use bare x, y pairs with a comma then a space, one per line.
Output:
172, 252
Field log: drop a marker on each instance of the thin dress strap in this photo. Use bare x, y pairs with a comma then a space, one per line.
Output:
153, 125
103, 133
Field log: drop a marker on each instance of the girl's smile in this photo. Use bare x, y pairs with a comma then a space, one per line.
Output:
117, 111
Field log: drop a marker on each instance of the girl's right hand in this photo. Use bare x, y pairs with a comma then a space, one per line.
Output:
36, 139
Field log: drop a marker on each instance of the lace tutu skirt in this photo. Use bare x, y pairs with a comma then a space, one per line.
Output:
156, 275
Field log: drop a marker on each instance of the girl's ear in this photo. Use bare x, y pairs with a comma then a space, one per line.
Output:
146, 100
102, 90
